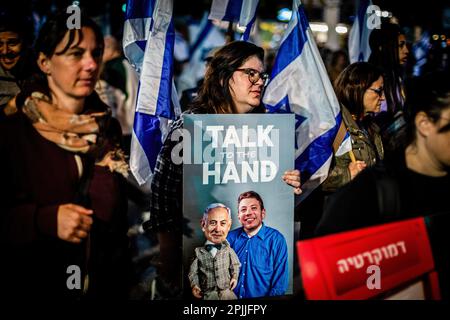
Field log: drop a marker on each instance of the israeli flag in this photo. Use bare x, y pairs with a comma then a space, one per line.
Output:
420, 50
149, 37
242, 11
300, 85
206, 38
136, 29
358, 39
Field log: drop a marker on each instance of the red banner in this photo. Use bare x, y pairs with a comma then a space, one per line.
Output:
337, 266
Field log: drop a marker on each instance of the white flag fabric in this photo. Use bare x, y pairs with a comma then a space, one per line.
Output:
136, 29
358, 39
300, 85
149, 37
242, 11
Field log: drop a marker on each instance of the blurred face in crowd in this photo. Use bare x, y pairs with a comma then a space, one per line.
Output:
74, 73
403, 51
341, 62
437, 140
250, 214
10, 47
246, 85
373, 97
111, 50
217, 225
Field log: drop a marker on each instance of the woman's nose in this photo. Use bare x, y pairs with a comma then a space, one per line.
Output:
260, 82
91, 64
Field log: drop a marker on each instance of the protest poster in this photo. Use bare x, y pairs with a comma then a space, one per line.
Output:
225, 156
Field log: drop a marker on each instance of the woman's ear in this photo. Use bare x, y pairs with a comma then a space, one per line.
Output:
44, 63
423, 124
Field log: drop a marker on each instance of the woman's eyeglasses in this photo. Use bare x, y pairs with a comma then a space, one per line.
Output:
255, 75
379, 91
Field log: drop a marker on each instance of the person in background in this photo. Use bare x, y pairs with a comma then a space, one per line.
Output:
62, 207
390, 53
15, 59
120, 75
360, 91
411, 182
339, 60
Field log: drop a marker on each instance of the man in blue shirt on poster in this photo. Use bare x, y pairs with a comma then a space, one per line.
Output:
262, 251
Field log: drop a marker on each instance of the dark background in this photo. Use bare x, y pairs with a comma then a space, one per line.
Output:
427, 15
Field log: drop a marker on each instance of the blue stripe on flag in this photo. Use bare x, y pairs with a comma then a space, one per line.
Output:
147, 130
139, 9
201, 36
233, 11
141, 45
361, 17
240, 11
293, 45
248, 29
164, 106
358, 40
318, 152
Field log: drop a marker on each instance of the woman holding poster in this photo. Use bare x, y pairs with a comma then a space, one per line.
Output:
234, 83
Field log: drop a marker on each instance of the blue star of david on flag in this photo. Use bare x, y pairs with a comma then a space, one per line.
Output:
300, 85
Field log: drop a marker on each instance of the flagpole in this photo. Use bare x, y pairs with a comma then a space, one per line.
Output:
352, 156
340, 137
229, 36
